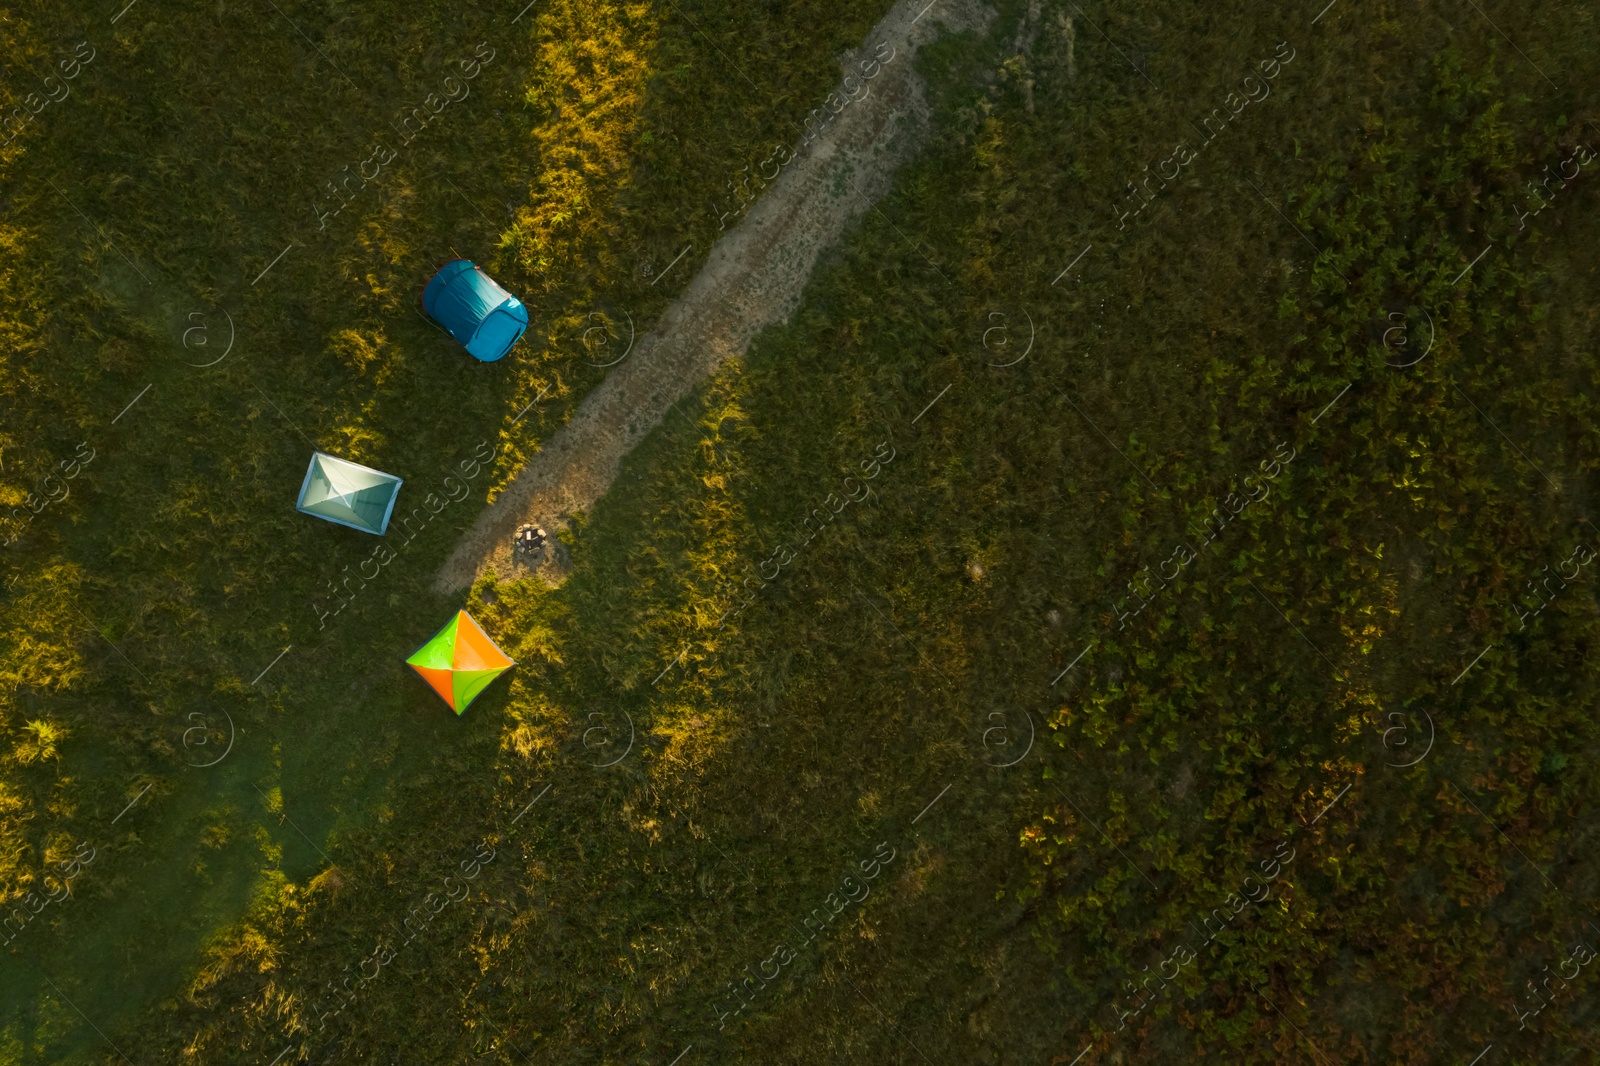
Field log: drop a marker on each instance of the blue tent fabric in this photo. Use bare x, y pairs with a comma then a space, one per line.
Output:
349, 494
499, 331
430, 295
486, 319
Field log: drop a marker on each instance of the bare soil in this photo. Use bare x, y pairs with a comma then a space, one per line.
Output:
754, 277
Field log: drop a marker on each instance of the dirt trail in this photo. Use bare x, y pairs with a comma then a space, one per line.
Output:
754, 277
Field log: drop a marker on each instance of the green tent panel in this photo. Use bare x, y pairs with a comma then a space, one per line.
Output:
440, 652
468, 683
347, 493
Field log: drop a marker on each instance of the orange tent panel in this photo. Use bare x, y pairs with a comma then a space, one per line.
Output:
443, 682
474, 649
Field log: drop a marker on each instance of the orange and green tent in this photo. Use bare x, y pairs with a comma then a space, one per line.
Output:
460, 661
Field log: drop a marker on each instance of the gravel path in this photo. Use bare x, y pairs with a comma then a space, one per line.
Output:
754, 277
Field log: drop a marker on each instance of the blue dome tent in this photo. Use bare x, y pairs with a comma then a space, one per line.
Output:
485, 318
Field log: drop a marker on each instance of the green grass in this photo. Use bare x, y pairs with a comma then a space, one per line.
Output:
774, 753
195, 144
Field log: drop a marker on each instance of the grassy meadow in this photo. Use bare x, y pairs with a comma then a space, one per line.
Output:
1180, 483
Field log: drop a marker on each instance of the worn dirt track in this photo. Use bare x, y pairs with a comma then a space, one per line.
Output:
754, 277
